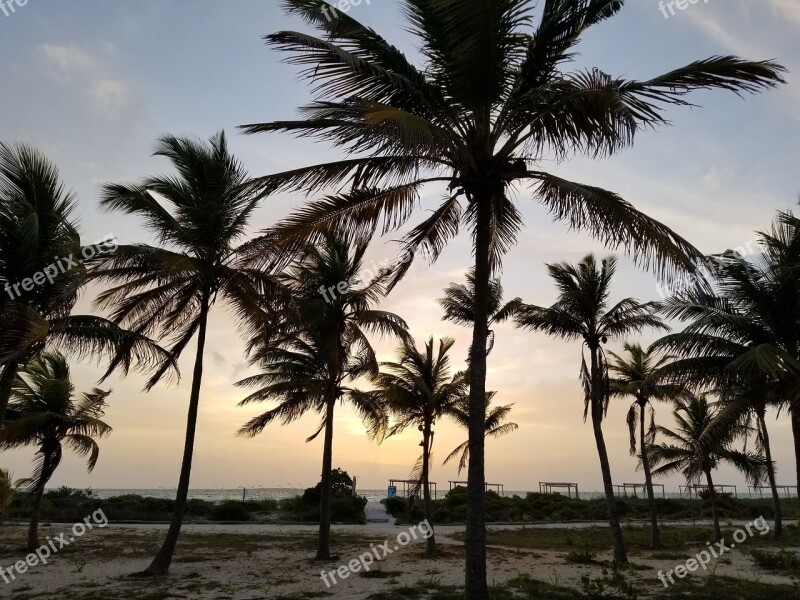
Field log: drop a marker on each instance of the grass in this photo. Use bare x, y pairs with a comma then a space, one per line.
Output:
779, 560
379, 574
580, 557
525, 587
637, 539
420, 593
72, 594
728, 587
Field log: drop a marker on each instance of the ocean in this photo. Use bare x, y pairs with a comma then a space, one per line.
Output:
220, 495
263, 493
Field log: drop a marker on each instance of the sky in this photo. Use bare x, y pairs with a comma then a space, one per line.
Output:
93, 84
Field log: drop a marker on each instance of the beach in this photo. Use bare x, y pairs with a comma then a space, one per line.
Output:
255, 561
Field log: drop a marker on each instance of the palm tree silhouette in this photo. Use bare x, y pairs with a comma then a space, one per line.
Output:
44, 412
745, 339
40, 243
169, 290
8, 491
459, 305
582, 312
637, 374
495, 426
417, 390
491, 99
685, 455
316, 344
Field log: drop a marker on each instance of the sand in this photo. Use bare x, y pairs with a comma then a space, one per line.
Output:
254, 561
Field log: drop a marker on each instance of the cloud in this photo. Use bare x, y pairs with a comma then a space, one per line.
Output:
89, 74
730, 29
787, 8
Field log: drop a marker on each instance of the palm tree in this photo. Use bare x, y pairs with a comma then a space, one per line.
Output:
316, 345
637, 375
685, 455
417, 390
745, 338
495, 426
169, 290
582, 312
459, 305
490, 100
44, 412
42, 272
8, 491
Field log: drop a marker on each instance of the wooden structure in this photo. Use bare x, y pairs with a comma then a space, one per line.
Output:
552, 487
409, 483
622, 490
781, 488
498, 487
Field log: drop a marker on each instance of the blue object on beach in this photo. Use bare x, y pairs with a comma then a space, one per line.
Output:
392, 491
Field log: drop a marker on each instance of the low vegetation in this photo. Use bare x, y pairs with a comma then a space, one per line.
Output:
780, 560
66, 505
677, 541
535, 507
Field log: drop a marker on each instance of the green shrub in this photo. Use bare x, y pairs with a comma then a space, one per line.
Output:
396, 506
611, 584
348, 509
580, 557
230, 510
782, 560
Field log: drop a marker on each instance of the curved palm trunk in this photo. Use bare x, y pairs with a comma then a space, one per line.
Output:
33, 527
648, 479
6, 383
162, 560
776, 499
712, 494
430, 543
324, 537
475, 568
620, 555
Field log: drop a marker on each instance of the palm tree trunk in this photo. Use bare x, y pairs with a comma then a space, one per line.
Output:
6, 383
648, 479
162, 560
620, 555
794, 412
33, 527
475, 568
712, 494
776, 499
324, 537
430, 543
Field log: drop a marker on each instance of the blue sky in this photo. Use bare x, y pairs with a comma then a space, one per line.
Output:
94, 83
